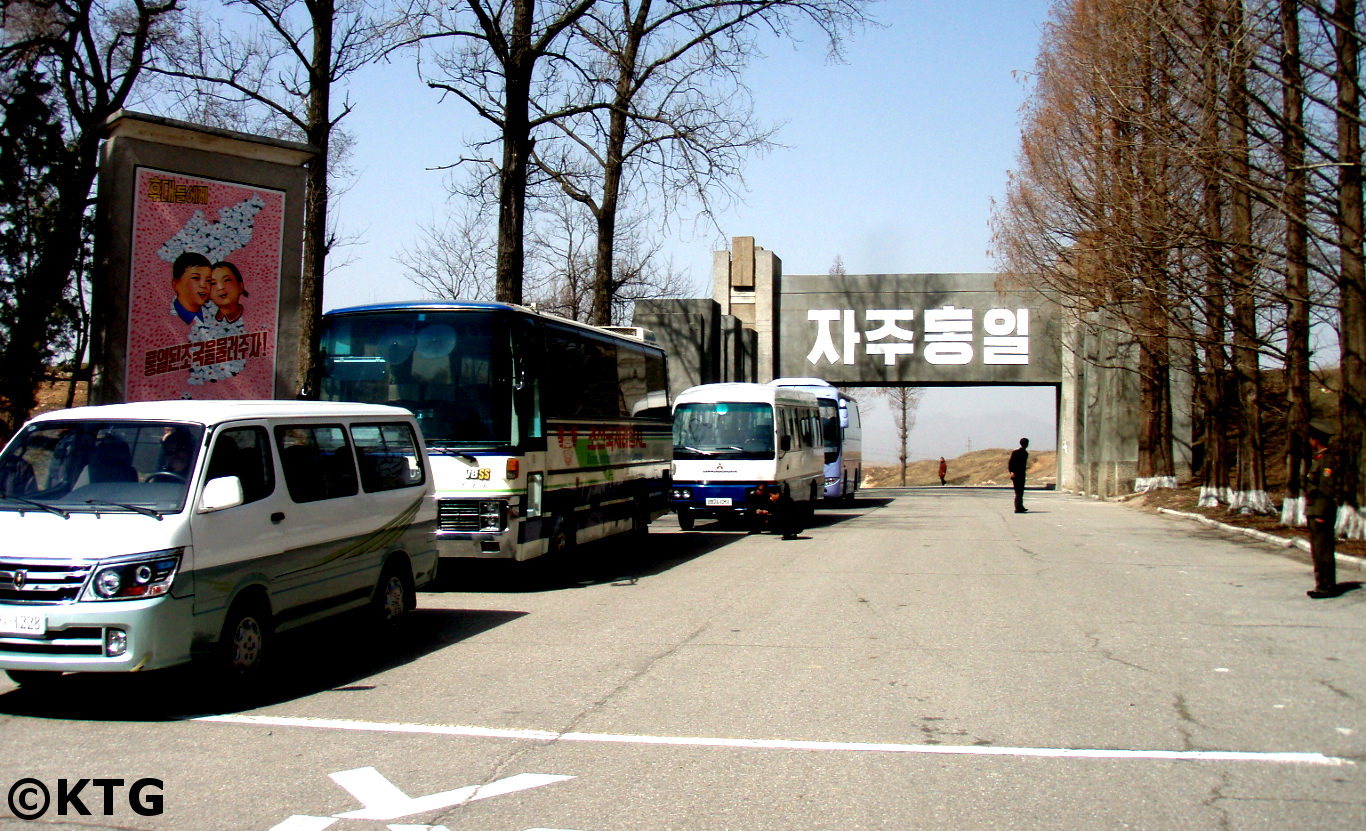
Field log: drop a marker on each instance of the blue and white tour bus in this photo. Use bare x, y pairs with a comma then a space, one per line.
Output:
542, 433
842, 430
730, 438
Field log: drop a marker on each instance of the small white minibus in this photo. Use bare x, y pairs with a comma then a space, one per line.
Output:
138, 536
731, 438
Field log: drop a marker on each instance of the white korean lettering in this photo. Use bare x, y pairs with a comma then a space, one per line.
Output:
824, 348
905, 343
1007, 337
948, 336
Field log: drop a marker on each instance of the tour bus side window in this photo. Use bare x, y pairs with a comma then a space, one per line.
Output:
388, 456
528, 378
317, 461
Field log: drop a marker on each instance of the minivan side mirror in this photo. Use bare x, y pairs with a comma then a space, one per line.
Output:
221, 493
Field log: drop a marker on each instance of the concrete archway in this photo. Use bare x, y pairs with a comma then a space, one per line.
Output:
917, 330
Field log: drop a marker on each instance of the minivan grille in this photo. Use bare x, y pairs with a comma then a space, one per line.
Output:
42, 581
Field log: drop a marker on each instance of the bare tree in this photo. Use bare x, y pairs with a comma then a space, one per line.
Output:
665, 107
904, 402
280, 77
94, 54
499, 58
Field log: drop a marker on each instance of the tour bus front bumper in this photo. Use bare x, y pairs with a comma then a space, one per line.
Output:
100, 636
711, 498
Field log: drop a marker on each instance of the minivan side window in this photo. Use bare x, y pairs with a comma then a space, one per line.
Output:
244, 452
317, 461
388, 456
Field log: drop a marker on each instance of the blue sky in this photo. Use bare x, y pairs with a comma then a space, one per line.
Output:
891, 161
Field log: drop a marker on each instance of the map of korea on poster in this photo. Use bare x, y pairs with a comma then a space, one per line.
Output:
204, 291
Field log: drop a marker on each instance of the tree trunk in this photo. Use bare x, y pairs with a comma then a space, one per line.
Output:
1351, 269
517, 146
1250, 495
1295, 209
315, 200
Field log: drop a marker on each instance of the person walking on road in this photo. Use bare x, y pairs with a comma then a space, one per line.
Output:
943, 470
1321, 509
1019, 461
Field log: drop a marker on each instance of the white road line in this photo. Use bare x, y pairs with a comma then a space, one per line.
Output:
784, 744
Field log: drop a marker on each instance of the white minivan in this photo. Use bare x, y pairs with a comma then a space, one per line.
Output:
139, 536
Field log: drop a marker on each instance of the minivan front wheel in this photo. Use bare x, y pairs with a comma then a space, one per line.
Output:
246, 641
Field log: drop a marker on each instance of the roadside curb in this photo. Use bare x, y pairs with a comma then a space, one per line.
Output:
1280, 542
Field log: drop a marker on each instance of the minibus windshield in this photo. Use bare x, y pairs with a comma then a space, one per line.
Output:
75, 466
723, 430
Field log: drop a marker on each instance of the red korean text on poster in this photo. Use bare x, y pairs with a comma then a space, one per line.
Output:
204, 290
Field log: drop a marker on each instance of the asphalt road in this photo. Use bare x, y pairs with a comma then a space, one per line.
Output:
925, 658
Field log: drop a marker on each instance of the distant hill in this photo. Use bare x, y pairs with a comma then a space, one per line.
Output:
980, 467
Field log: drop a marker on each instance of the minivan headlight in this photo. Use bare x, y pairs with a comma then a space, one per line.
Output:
134, 577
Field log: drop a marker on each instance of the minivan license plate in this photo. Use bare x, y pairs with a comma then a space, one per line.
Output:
22, 623
719, 501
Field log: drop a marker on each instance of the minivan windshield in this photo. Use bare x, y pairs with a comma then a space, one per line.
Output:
99, 467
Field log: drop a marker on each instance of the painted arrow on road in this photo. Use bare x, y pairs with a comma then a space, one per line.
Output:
384, 801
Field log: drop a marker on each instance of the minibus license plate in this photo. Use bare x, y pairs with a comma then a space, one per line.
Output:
718, 500
22, 623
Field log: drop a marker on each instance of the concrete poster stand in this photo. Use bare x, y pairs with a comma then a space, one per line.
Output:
199, 251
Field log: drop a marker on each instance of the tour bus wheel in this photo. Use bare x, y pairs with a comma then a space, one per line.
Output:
686, 521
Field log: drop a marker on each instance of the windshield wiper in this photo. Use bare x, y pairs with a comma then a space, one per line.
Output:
52, 509
446, 451
138, 508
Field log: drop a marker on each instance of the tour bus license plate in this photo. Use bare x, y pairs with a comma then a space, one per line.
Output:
718, 501
22, 623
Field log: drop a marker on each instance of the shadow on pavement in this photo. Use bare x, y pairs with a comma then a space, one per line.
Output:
338, 654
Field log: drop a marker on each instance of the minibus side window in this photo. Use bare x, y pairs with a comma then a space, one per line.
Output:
317, 461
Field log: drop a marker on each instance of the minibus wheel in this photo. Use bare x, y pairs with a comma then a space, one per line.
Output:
686, 520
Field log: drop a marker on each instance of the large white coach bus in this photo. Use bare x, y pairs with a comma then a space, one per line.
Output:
731, 438
542, 433
842, 430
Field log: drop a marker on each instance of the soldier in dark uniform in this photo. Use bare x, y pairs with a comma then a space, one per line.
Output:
1321, 508
1019, 463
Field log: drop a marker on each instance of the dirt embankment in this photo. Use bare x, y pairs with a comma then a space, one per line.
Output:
978, 468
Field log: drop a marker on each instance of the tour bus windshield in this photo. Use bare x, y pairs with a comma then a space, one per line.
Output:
723, 430
452, 369
63, 467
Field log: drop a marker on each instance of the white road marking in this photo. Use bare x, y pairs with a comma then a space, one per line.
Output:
785, 744
384, 801
303, 823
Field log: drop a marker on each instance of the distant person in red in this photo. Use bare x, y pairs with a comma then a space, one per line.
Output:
1019, 462
943, 470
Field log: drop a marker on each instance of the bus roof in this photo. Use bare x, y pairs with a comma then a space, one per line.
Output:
488, 306
819, 386
735, 391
